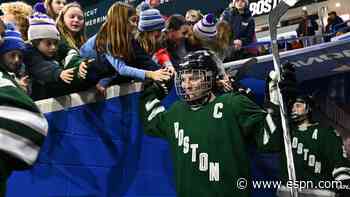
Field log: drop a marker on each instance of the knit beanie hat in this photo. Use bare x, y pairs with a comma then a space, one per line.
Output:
150, 20
42, 26
206, 28
39, 7
12, 40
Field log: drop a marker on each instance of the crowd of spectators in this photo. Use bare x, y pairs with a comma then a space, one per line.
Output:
134, 43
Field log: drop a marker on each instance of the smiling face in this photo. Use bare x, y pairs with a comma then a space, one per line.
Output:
74, 19
12, 60
193, 84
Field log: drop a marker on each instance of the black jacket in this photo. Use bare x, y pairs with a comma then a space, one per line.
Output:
44, 73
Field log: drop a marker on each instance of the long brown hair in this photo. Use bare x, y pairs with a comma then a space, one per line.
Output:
114, 35
224, 36
146, 41
77, 40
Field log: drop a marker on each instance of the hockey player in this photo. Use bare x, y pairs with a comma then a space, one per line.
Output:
207, 134
22, 126
318, 152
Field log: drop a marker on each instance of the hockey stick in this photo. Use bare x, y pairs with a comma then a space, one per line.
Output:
274, 18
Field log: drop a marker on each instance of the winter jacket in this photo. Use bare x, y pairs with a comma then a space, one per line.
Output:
44, 73
335, 25
243, 25
141, 61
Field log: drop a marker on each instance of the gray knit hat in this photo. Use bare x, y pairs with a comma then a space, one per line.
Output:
206, 28
150, 20
42, 26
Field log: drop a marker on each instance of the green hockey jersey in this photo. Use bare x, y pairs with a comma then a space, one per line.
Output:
208, 145
22, 126
319, 155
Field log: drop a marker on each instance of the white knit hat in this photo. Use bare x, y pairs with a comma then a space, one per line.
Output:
206, 28
42, 26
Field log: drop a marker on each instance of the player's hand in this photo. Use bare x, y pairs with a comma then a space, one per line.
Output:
225, 84
288, 84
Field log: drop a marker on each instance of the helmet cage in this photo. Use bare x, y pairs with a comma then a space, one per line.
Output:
193, 84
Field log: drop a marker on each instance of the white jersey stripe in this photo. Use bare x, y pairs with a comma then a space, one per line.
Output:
18, 146
25, 117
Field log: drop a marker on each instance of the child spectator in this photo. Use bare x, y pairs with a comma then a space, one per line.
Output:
48, 78
17, 13
53, 7
23, 128
71, 25
114, 45
176, 34
148, 39
205, 36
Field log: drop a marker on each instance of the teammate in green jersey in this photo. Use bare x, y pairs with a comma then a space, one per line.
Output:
207, 134
318, 152
22, 126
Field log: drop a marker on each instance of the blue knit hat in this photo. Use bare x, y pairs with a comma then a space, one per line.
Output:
150, 20
12, 40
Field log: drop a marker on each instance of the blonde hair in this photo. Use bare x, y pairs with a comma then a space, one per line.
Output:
114, 35
73, 41
146, 41
21, 12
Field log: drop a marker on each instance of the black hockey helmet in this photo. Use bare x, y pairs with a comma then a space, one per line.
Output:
196, 75
308, 106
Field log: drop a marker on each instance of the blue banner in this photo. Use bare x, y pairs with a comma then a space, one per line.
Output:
315, 62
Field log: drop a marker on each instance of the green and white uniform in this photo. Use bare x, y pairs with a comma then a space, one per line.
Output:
22, 128
319, 155
208, 145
